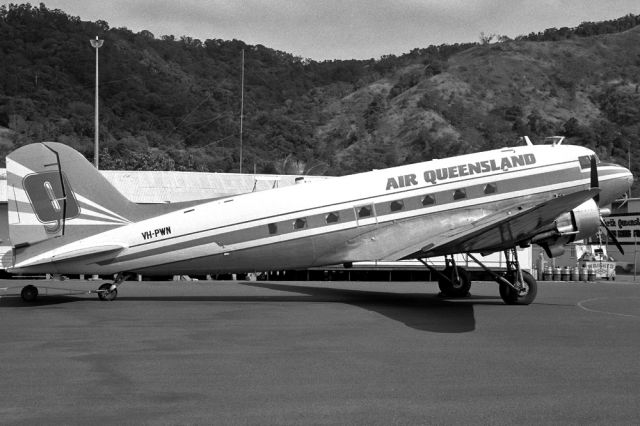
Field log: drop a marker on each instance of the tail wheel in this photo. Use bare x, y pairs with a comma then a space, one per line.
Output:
526, 296
29, 293
105, 292
457, 285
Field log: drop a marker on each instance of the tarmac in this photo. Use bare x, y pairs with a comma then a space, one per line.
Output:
374, 353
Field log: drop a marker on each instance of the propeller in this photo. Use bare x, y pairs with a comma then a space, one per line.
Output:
594, 179
596, 184
611, 235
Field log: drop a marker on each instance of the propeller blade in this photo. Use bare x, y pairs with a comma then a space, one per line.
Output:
594, 178
611, 235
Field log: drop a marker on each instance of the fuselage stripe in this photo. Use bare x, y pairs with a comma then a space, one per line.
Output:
313, 222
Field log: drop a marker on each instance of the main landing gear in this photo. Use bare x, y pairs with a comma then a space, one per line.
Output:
517, 287
453, 281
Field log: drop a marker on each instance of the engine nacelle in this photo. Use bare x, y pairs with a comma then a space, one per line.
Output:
581, 222
578, 224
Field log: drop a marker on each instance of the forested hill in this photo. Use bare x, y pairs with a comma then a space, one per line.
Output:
174, 103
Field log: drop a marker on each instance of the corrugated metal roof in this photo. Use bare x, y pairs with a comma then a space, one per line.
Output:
163, 186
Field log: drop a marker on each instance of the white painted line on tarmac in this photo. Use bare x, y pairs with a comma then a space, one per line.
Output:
582, 306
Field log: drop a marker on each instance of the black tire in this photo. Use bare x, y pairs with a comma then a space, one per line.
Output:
453, 287
526, 297
104, 292
29, 293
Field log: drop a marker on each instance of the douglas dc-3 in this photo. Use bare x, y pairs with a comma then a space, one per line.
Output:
65, 217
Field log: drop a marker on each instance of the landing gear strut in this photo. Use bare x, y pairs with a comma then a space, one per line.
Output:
109, 291
521, 288
517, 287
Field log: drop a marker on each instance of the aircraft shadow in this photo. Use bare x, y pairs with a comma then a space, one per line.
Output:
46, 300
425, 312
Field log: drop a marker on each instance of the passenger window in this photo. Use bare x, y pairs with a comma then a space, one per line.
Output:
332, 217
490, 188
397, 205
300, 223
459, 194
365, 211
428, 200
273, 228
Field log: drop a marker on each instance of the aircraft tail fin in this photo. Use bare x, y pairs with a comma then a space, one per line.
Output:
53, 191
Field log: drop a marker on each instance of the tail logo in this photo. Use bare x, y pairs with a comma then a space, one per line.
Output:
51, 198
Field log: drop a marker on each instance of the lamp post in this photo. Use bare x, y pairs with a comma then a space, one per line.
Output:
241, 108
97, 44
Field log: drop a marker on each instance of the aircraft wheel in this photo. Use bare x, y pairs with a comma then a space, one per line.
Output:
524, 297
455, 287
104, 292
29, 293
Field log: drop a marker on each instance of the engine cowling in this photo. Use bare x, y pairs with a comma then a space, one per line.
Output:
580, 223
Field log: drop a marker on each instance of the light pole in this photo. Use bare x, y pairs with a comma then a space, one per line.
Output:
97, 44
241, 108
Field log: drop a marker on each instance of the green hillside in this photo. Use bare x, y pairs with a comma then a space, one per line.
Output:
174, 103
583, 88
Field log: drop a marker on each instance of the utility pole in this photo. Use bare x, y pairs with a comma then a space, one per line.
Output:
629, 160
97, 44
241, 108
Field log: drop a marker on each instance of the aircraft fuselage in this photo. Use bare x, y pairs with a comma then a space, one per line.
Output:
379, 215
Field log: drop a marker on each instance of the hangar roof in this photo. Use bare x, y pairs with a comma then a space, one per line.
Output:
163, 186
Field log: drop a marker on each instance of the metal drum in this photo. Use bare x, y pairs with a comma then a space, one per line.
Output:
584, 273
575, 274
548, 273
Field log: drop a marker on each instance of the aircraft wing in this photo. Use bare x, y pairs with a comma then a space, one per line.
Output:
501, 229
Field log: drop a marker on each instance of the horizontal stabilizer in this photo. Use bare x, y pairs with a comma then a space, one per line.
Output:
75, 253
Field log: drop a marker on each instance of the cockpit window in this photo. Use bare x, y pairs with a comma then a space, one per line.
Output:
585, 161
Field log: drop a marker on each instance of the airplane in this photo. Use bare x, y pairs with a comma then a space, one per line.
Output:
66, 218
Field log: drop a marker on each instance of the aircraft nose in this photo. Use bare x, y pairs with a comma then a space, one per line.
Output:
615, 181
629, 178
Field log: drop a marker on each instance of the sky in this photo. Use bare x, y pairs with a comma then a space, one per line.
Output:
343, 29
